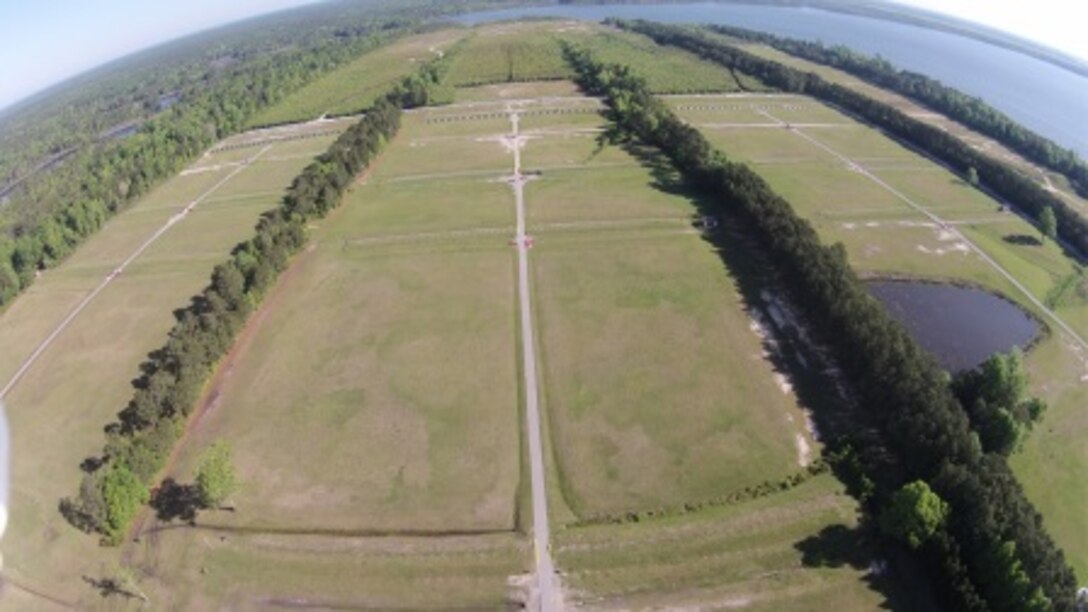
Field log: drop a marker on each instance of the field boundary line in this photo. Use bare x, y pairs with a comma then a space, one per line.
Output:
741, 125
422, 534
395, 238
941, 222
173, 220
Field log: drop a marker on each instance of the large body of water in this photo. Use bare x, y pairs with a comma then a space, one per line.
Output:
1047, 99
960, 326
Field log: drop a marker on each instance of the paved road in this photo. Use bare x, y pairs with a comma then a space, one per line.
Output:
942, 223
547, 596
41, 348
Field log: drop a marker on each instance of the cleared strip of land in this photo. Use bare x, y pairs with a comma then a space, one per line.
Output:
398, 423
1054, 182
80, 378
789, 551
353, 87
406, 307
900, 214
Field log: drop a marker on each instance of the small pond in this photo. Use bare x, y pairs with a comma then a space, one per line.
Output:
960, 326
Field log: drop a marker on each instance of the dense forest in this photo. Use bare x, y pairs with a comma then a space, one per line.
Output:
968, 110
989, 551
116, 484
1000, 179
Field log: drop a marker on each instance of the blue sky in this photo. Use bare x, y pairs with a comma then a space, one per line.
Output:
45, 41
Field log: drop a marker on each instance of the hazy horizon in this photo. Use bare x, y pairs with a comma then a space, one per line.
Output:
29, 31
64, 38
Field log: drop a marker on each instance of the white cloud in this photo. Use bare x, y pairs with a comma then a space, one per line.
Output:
1055, 23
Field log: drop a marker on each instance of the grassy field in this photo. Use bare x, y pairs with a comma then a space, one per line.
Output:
921, 113
645, 342
243, 571
656, 384
55, 421
375, 439
379, 412
633, 338
352, 87
516, 91
801, 549
885, 235
658, 389
527, 51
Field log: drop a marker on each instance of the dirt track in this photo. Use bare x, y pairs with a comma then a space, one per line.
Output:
547, 596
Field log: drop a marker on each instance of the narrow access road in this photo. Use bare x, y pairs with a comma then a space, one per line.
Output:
944, 224
548, 597
174, 219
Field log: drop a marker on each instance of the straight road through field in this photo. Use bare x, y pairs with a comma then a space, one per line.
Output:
941, 223
174, 219
548, 596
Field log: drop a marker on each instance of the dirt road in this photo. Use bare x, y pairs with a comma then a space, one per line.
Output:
546, 596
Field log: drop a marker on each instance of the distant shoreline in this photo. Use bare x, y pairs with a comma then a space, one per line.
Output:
889, 10
909, 15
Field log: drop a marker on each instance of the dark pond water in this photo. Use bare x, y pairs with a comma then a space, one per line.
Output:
960, 326
1045, 98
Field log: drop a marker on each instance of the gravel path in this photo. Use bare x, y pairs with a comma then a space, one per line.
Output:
546, 596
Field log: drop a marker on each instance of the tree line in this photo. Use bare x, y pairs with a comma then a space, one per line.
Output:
116, 483
104, 181
215, 82
86, 109
999, 178
991, 551
968, 110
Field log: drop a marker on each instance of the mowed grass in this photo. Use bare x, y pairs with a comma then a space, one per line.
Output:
657, 388
883, 235
382, 303
367, 428
409, 380
82, 380
666, 69
795, 550
384, 459
516, 91
656, 383
921, 113
260, 571
532, 51
353, 87
507, 52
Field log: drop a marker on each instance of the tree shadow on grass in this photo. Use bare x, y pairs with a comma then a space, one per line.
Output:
887, 570
1022, 240
176, 501
109, 587
841, 424
835, 546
